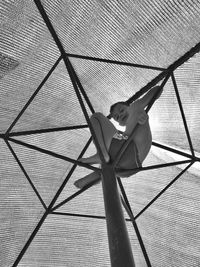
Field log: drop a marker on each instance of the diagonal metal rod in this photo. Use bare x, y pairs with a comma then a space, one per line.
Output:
73, 196
50, 26
183, 114
82, 215
78, 215
171, 68
73, 79
26, 246
33, 96
48, 130
127, 207
53, 154
68, 176
70, 70
176, 151
158, 166
164, 189
81, 88
26, 174
47, 212
121, 63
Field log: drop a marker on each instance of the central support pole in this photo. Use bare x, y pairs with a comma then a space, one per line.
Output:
119, 243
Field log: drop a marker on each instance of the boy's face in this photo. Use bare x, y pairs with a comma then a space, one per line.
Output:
120, 114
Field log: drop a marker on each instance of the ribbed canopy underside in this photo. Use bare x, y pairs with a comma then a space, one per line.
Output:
39, 107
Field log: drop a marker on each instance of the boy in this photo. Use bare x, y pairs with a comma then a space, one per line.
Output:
110, 140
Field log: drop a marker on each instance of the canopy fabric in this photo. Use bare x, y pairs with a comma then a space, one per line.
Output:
116, 48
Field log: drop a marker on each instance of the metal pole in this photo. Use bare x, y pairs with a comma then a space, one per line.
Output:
127, 206
119, 243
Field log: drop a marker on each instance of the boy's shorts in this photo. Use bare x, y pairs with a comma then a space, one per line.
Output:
130, 158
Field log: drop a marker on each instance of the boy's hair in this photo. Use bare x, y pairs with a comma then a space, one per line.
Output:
115, 104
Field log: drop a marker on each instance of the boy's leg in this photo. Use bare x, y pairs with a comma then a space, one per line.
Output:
104, 131
143, 140
94, 159
92, 177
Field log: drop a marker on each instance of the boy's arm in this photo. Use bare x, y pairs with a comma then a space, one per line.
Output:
135, 113
144, 101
